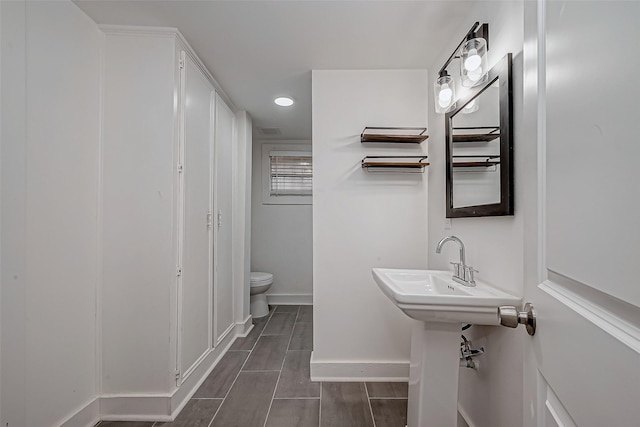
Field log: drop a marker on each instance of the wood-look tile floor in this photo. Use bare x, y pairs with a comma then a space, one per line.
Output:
263, 381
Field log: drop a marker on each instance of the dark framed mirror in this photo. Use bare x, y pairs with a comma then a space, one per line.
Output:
479, 148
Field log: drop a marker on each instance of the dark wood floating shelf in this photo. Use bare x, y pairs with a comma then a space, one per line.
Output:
393, 135
488, 163
392, 163
476, 137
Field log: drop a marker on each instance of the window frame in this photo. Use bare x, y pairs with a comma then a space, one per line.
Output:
283, 199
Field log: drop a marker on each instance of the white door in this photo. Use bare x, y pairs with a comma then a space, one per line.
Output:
223, 282
582, 367
197, 251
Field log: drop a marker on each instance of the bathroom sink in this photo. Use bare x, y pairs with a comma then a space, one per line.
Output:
432, 296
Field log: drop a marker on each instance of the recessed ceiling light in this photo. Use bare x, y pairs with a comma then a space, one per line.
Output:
284, 101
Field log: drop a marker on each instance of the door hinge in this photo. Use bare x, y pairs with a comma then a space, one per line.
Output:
179, 168
179, 271
219, 219
177, 374
181, 63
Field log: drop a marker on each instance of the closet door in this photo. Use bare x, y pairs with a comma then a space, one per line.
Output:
195, 310
223, 289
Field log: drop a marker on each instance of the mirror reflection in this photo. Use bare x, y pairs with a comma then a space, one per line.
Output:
476, 150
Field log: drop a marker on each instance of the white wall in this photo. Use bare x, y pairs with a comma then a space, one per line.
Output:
281, 240
363, 220
492, 395
57, 255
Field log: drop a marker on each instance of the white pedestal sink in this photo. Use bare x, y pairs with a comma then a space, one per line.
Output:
442, 305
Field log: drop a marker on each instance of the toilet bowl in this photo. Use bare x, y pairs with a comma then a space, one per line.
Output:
259, 284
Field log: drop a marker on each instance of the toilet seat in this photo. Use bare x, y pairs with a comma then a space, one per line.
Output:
258, 278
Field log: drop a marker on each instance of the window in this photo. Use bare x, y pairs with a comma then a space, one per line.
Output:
287, 174
290, 173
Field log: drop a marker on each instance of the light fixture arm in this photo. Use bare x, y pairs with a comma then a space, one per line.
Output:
477, 30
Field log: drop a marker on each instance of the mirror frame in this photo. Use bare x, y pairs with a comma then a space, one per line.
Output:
501, 72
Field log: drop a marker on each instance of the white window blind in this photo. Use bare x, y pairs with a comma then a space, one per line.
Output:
290, 173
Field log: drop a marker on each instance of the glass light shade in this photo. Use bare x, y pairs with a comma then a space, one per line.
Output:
471, 107
444, 94
473, 62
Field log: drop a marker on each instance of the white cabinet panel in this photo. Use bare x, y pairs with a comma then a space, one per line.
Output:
159, 220
195, 321
223, 281
592, 126
138, 171
553, 414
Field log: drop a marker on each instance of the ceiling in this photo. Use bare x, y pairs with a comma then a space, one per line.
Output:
258, 50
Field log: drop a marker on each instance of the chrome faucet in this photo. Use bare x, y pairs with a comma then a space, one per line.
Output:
462, 273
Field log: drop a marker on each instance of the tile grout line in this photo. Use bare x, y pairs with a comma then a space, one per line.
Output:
260, 336
280, 374
263, 334
206, 398
292, 329
237, 375
268, 317
388, 398
241, 370
296, 398
366, 390
245, 362
257, 339
266, 322
320, 406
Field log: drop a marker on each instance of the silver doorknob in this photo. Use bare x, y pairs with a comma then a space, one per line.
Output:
511, 317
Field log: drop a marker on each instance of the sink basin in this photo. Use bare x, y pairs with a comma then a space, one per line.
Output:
442, 305
432, 296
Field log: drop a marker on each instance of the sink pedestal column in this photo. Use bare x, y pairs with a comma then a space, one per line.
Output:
433, 375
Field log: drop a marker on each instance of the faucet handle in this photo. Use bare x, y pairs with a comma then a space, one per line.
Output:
468, 274
456, 268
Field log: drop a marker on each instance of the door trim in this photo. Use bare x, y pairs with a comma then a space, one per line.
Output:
613, 316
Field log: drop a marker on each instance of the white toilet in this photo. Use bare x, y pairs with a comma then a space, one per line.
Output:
259, 284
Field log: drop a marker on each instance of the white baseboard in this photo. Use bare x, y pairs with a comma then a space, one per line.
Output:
290, 299
346, 371
153, 407
343, 371
135, 407
243, 328
88, 415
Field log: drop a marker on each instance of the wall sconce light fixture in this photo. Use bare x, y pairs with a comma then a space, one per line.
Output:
445, 93
472, 52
